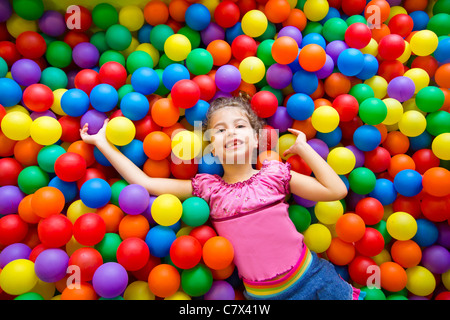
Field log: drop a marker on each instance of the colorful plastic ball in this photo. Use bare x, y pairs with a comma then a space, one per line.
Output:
347, 106
110, 280
312, 57
300, 106
252, 70
89, 229
13, 228
174, 73
371, 243
13, 252
16, 125
440, 146
12, 92
133, 253
358, 35
393, 276
220, 290
186, 252
325, 119
391, 47
435, 181
164, 280
134, 199
197, 112
218, 253
424, 42
362, 180
366, 138
199, 61
254, 23
408, 182
419, 76
412, 123
85, 55
166, 209
328, 212
31, 179
195, 211
131, 17
134, 106
38, 97
59, 54
436, 259
196, 281
185, 93
113, 73
342, 160
88, 260
305, 82
31, 44
70, 166
45, 130
421, 281
47, 201
226, 14
264, 103
285, 50
55, 231
280, 119
186, 145
401, 226
9, 171
145, 81
51, 265
370, 209
18, 277
95, 193
25, 72
197, 17
401, 88
120, 131
159, 239
430, 99
118, 37
316, 10
228, 78
317, 237
157, 145
406, 253
75, 102
350, 62
279, 76
177, 47
358, 269
350, 227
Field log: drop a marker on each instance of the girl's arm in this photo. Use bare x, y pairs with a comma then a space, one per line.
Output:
326, 185
132, 173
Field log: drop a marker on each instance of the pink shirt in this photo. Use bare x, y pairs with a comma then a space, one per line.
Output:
253, 216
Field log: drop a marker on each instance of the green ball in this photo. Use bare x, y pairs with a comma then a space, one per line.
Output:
196, 281
111, 55
31, 179
438, 122
334, 29
118, 37
29, 9
98, 39
356, 18
104, 15
381, 227
123, 90
439, 24
430, 99
193, 36
162, 90
47, 156
269, 33
108, 247
362, 180
195, 211
29, 296
441, 6
313, 27
372, 111
159, 35
3, 68
59, 54
300, 216
199, 61
373, 293
396, 297
138, 59
264, 52
165, 61
361, 92
54, 78
116, 188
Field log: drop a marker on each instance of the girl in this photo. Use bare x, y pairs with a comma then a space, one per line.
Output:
248, 206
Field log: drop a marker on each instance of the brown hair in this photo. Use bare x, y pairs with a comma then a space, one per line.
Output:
242, 102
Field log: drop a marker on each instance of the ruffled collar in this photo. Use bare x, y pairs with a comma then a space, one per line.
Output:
245, 182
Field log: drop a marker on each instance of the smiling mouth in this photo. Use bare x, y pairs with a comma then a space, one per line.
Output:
235, 143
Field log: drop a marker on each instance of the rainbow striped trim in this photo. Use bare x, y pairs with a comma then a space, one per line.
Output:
268, 289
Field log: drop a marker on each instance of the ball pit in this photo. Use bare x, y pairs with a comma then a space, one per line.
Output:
370, 92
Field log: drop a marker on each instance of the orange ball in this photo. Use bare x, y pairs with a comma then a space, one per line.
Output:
306, 127
218, 253
400, 162
337, 84
340, 252
442, 76
379, 33
157, 145
220, 51
85, 291
406, 253
26, 152
25, 210
384, 10
156, 12
284, 50
6, 146
157, 168
223, 274
269, 155
312, 57
415, 5
112, 215
164, 280
165, 113
296, 18
393, 276
177, 9
83, 149
436, 181
277, 11
47, 201
350, 227
133, 226
396, 143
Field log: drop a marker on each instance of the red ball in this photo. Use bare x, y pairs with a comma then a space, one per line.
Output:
347, 106
371, 244
359, 269
425, 159
370, 209
89, 229
38, 97
401, 24
70, 128
12, 229
358, 35
299, 165
10, 169
84, 21
184, 170
70, 166
144, 127
9, 52
55, 231
390, 69
31, 44
88, 260
227, 14
185, 93
436, 209
444, 295
264, 103
2, 112
86, 80
203, 233
186, 252
377, 160
133, 253
352, 7
410, 205
391, 47
268, 138
243, 46
113, 73
207, 86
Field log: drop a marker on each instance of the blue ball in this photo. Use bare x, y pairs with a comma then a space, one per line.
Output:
442, 52
315, 38
350, 62
95, 193
366, 138
197, 112
422, 141
144, 33
210, 164
300, 106
305, 82
134, 106
69, 189
233, 32
11, 92
332, 138
145, 80
104, 97
174, 73
427, 233
197, 16
75, 102
370, 67
135, 152
100, 158
384, 191
159, 239
420, 19
408, 182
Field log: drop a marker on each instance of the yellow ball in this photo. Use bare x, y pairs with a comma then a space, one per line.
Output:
45, 130
446, 279
186, 145
441, 146
131, 17
325, 119
138, 290
177, 47
284, 143
18, 277
17, 25
401, 226
412, 123
371, 48
166, 209
379, 86
76, 209
421, 281
342, 160
16, 125
419, 76
328, 212
406, 54
254, 23
252, 69
394, 111
151, 50
120, 131
56, 106
179, 295
317, 237
424, 42
316, 10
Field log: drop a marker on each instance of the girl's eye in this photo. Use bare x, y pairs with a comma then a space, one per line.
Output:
240, 126
220, 130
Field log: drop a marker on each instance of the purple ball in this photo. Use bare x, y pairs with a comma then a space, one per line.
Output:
13, 252
393, 3
320, 147
148, 211
444, 235
436, 259
220, 290
304, 202
352, 200
279, 76
212, 32
228, 78
327, 68
280, 119
51, 265
292, 32
47, 113
134, 199
52, 23
26, 72
94, 119
110, 280
334, 49
401, 88
85, 55
5, 10
221, 94
359, 155
10, 197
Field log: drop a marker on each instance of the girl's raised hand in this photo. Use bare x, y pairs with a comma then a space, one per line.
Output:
299, 142
94, 139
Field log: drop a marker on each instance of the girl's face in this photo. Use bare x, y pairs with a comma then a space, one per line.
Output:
232, 137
